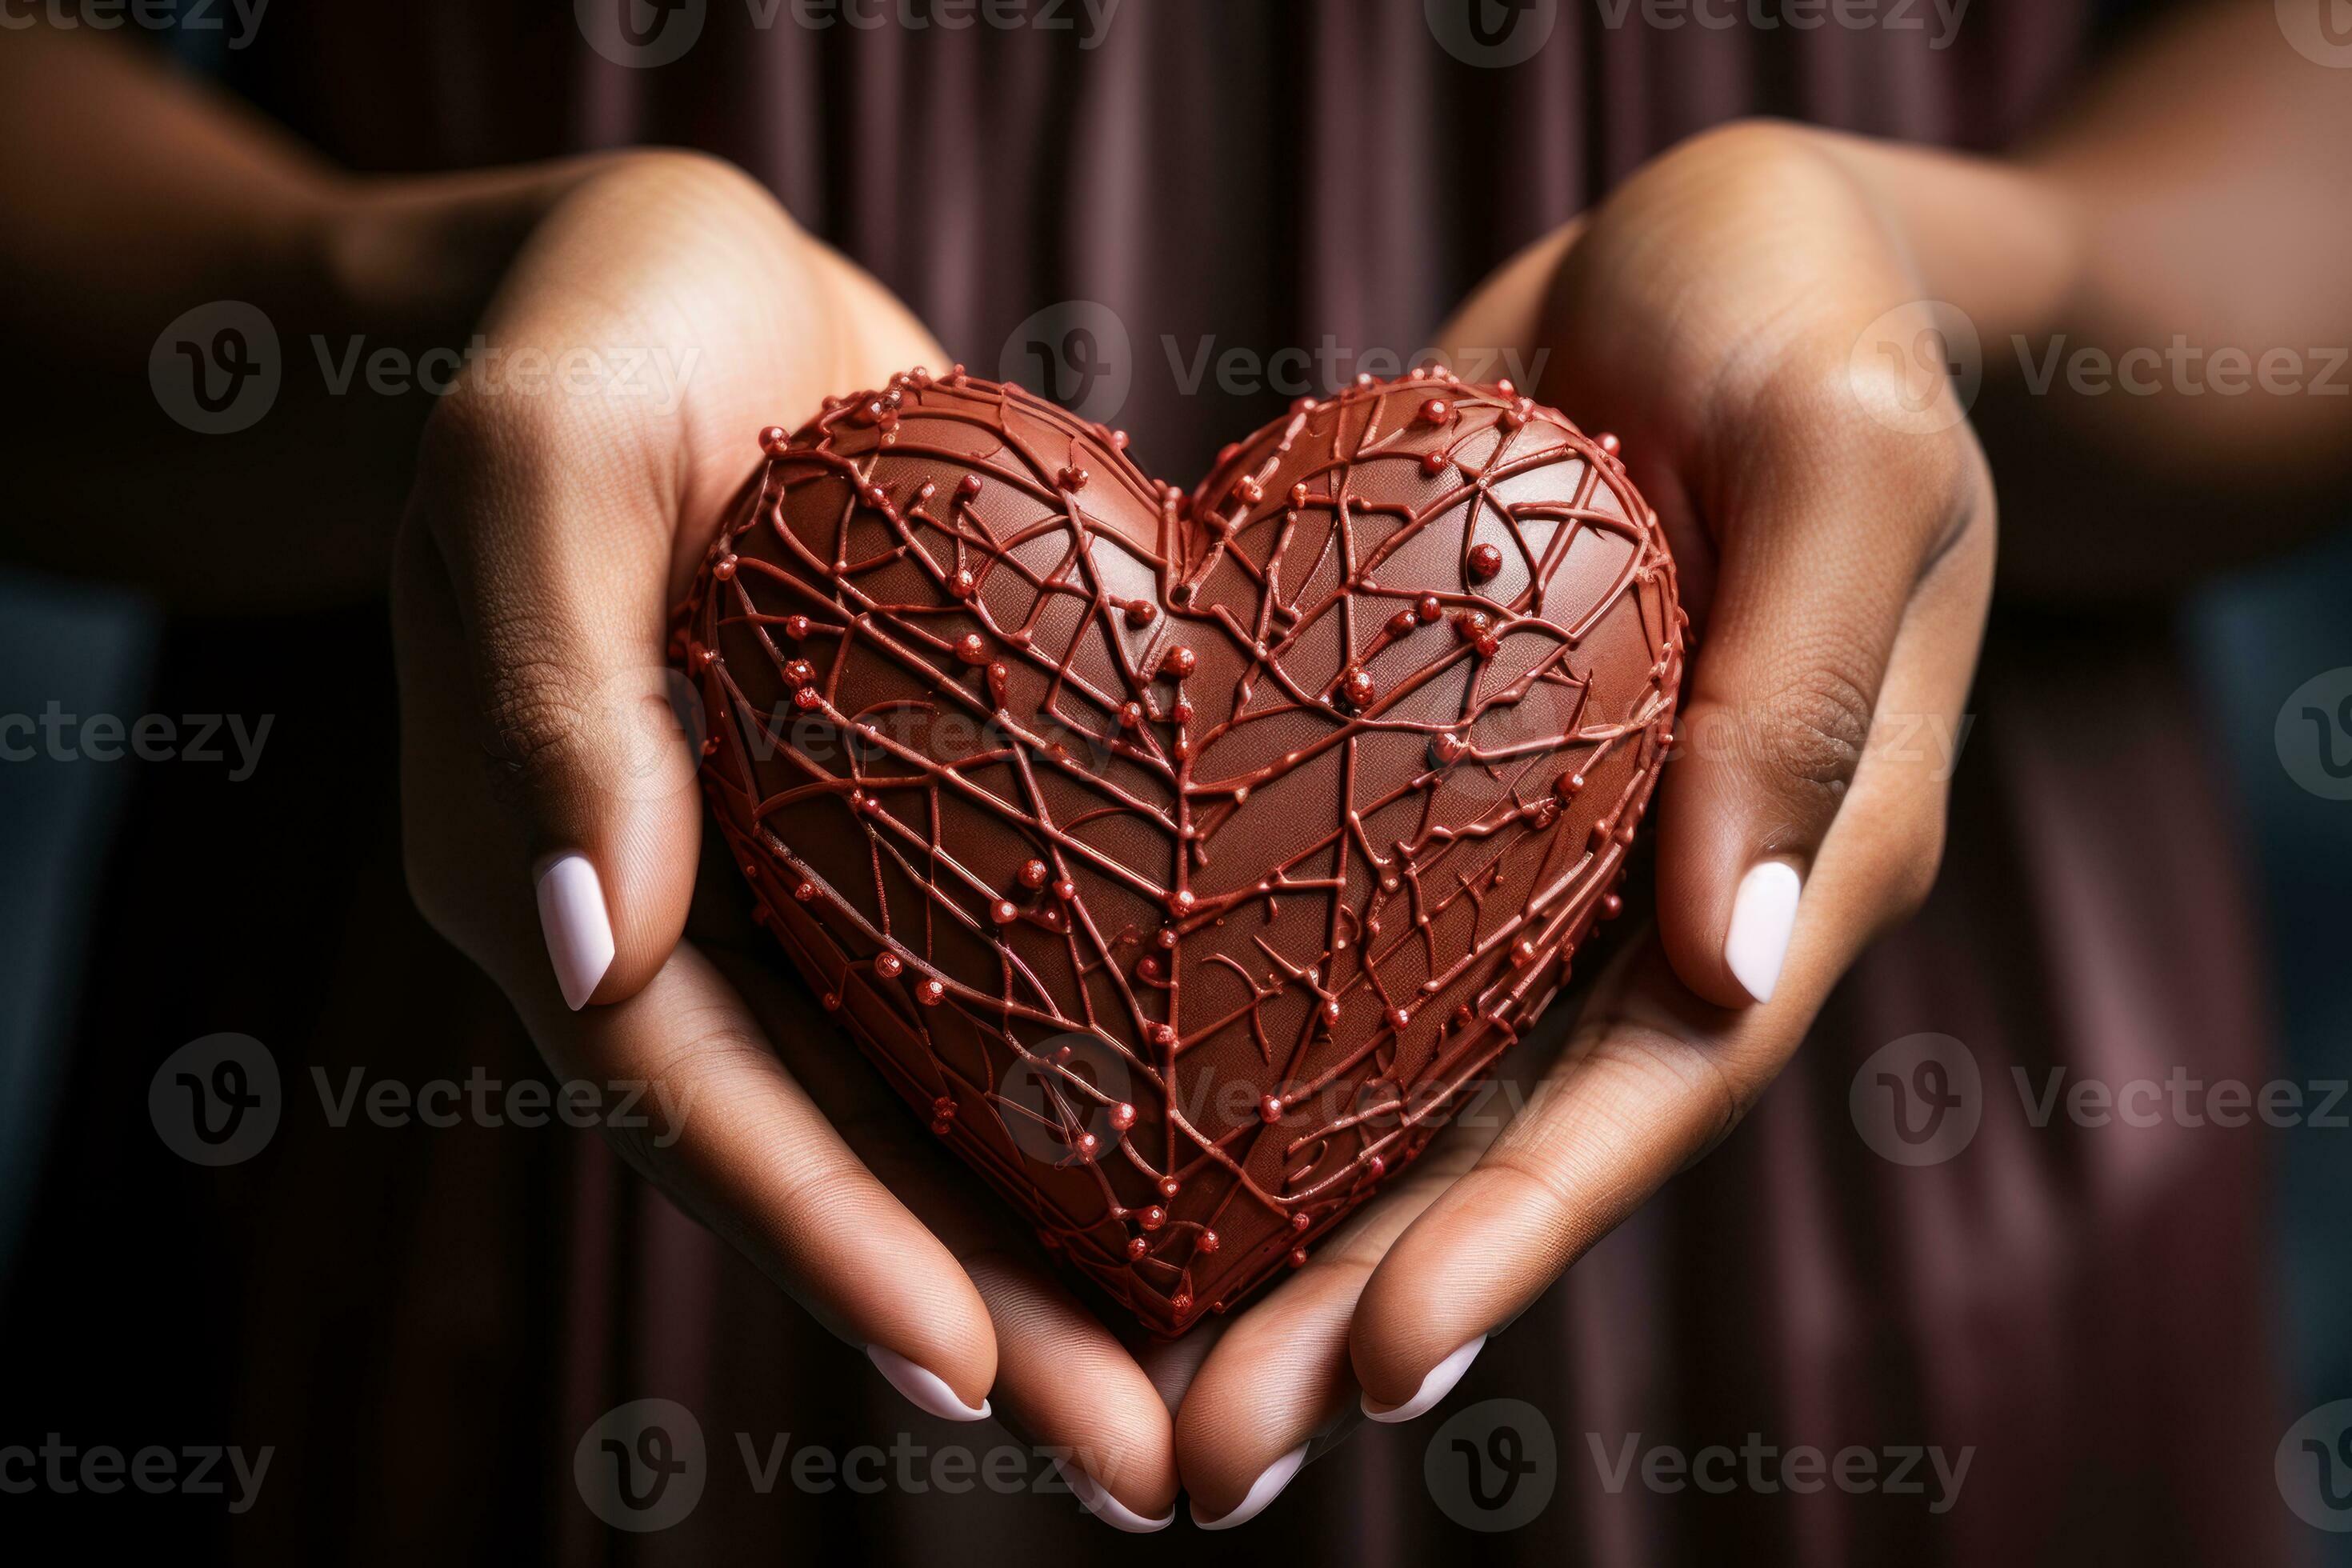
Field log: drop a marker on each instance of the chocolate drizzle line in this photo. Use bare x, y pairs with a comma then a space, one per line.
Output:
1184, 859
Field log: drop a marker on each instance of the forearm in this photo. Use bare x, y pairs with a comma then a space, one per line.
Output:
136, 196
2157, 288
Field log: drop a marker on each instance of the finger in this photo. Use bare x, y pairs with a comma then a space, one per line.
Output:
1276, 1391
1655, 1075
726, 1128
1063, 1380
1066, 1382
554, 531
730, 1133
1827, 524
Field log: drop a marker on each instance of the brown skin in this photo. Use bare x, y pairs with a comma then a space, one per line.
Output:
1839, 564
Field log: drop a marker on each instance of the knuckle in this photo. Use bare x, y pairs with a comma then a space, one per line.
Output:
531, 731
1814, 732
532, 711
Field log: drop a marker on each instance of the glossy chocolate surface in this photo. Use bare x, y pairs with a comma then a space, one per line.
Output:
1184, 859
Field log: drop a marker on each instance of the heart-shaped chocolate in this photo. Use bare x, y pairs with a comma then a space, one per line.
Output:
1185, 861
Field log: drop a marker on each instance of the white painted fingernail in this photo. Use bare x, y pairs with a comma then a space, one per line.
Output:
1264, 1490
1106, 1508
1763, 913
578, 930
1435, 1387
927, 1389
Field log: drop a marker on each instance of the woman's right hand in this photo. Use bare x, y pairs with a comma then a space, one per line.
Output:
659, 312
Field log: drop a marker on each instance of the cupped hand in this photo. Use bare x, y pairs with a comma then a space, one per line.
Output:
1834, 535
660, 313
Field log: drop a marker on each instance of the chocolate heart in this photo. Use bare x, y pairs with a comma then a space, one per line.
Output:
1185, 861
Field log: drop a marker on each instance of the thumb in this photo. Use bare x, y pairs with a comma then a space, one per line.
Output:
1826, 531
559, 567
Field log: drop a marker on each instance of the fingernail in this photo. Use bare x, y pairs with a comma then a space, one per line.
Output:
579, 932
1264, 1490
1763, 913
927, 1389
1106, 1508
1435, 1387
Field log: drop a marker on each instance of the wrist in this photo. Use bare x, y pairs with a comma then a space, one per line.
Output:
418, 258
2001, 241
